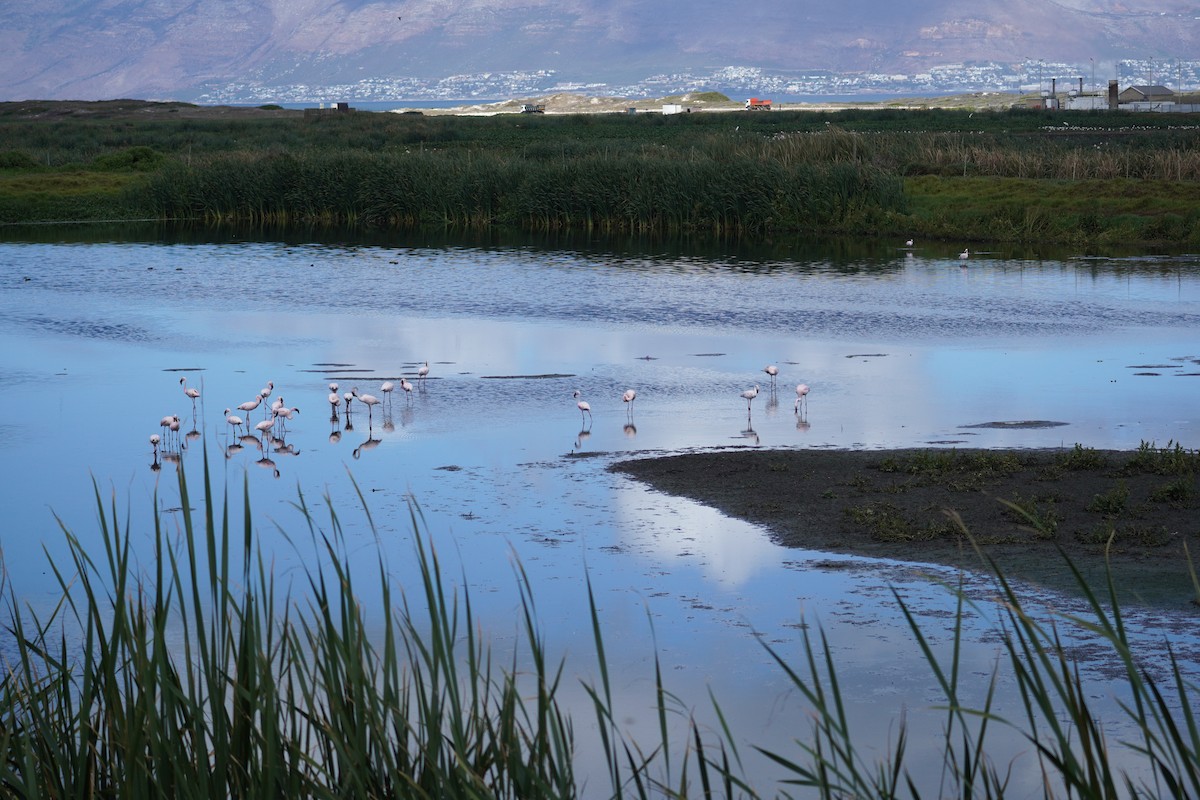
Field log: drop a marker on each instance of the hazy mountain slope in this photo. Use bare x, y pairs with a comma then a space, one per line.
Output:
156, 48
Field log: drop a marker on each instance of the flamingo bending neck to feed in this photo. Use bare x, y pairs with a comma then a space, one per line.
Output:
629, 396
801, 397
773, 371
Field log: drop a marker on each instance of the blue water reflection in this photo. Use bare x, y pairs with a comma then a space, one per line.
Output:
900, 350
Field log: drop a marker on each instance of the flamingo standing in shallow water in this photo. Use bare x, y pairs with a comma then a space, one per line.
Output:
369, 400
334, 402
250, 405
583, 405
233, 420
629, 396
749, 396
407, 387
283, 415
773, 371
422, 372
387, 389
801, 397
191, 392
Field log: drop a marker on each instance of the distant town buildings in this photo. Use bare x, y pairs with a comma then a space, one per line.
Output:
1037, 78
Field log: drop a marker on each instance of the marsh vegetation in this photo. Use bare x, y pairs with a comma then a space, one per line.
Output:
1096, 178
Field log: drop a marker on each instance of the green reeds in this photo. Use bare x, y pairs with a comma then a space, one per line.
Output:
202, 678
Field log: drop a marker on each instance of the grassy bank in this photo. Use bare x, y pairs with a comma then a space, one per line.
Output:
1093, 178
201, 678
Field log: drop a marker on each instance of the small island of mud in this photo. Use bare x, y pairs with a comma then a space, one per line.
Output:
1136, 511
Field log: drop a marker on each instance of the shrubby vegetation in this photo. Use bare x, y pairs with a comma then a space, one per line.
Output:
1021, 176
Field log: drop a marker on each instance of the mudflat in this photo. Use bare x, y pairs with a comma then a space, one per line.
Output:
1132, 514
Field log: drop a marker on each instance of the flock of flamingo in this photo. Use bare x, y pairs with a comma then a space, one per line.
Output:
273, 426
800, 408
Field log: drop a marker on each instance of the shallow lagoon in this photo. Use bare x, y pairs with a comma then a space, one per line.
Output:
901, 348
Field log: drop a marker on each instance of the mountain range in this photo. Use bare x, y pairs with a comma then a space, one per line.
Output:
172, 49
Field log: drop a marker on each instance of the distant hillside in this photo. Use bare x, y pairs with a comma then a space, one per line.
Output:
94, 49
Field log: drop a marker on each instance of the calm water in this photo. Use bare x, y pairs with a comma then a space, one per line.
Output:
901, 348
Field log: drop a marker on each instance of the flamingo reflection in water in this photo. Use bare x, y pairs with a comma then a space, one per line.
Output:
750, 433
268, 464
370, 444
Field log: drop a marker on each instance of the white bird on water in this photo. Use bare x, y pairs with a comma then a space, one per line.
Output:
334, 402
387, 389
422, 372
749, 396
250, 405
190, 391
584, 406
801, 397
407, 387
966, 253
369, 400
909, 243
233, 420
773, 371
629, 396
283, 415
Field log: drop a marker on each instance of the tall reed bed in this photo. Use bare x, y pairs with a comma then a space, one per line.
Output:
614, 191
200, 678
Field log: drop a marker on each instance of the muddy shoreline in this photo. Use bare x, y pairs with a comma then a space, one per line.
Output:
1136, 513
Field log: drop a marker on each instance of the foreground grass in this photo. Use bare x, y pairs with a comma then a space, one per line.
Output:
202, 680
1101, 179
